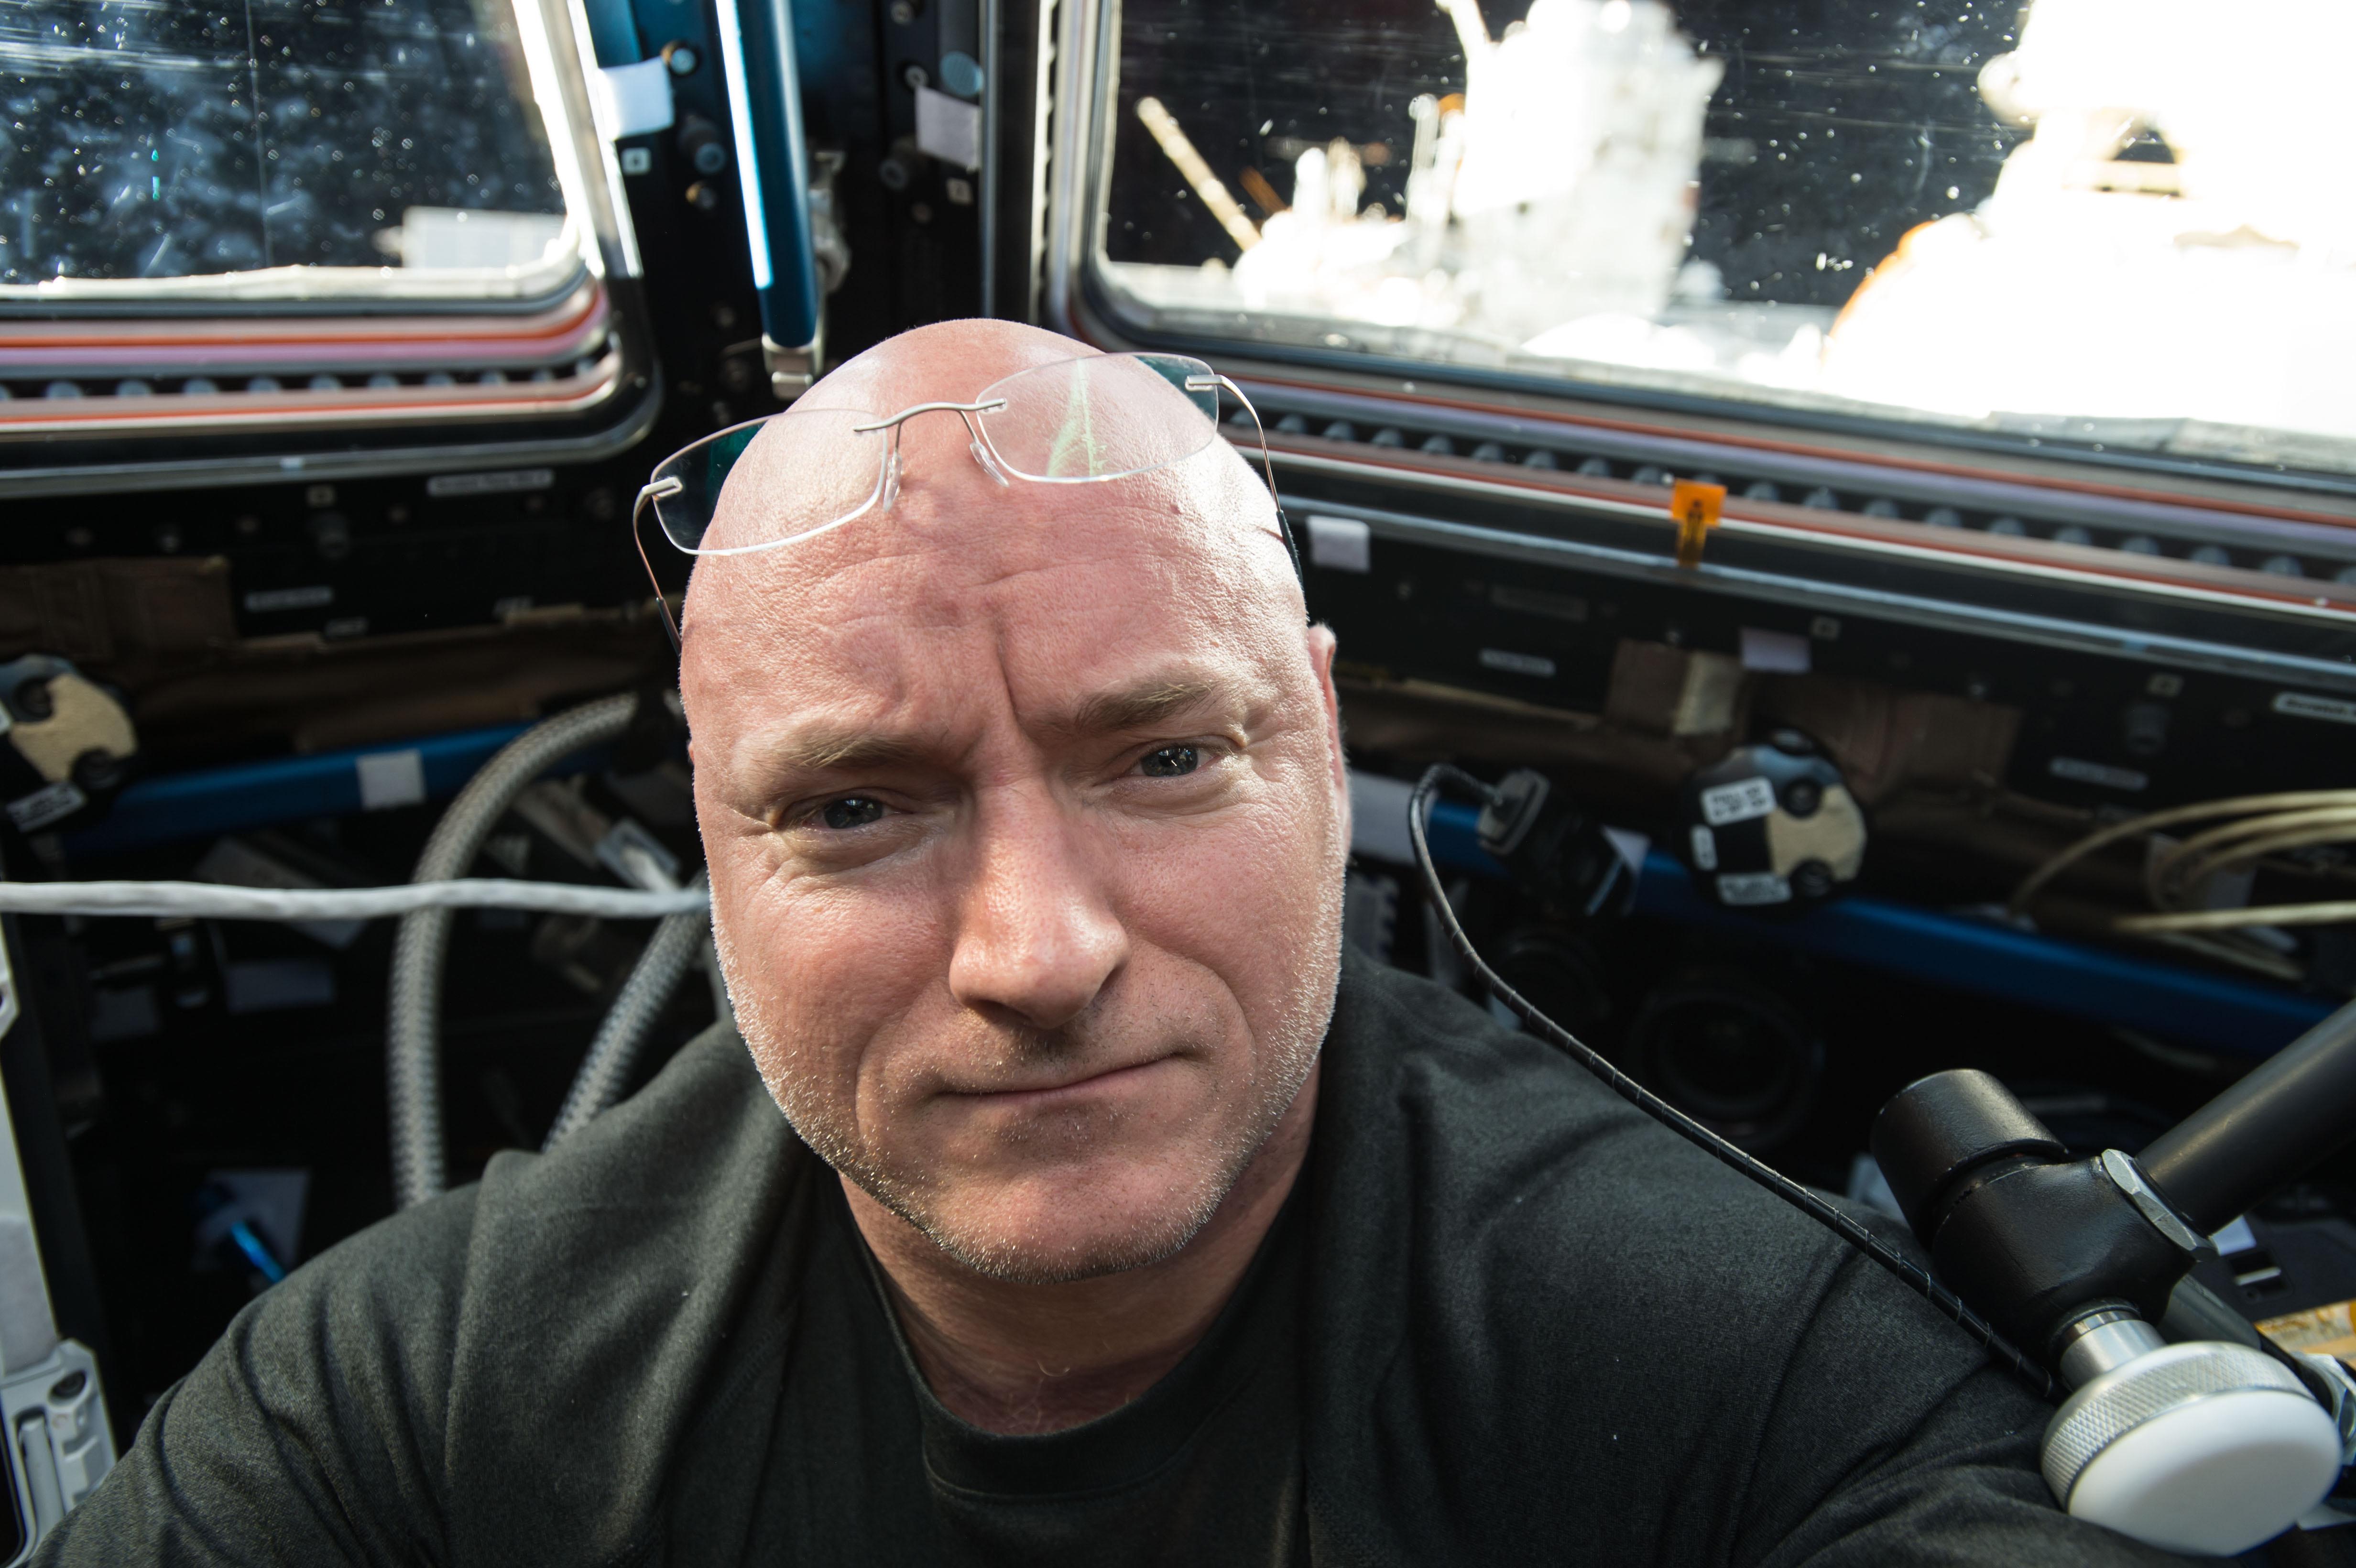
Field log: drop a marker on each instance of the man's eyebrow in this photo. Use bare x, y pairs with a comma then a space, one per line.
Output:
1139, 707
842, 749
850, 748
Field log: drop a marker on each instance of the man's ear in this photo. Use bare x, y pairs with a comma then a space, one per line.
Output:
1322, 646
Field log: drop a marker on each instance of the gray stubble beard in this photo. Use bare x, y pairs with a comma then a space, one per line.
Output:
1300, 1034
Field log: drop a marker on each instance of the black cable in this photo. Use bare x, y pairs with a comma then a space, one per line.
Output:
2003, 1350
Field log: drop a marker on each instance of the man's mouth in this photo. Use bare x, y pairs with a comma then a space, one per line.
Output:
1043, 1092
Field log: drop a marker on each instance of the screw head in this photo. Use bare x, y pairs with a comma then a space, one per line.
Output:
99, 772
681, 57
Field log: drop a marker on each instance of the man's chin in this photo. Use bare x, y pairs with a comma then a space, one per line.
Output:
1053, 1232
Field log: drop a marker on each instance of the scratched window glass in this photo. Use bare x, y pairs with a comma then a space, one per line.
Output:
166, 139
2096, 224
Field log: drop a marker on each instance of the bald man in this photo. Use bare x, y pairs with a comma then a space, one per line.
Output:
1114, 1215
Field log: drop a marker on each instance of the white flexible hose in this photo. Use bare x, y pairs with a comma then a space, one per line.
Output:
212, 901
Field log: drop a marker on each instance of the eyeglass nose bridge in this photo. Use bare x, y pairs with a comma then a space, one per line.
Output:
963, 411
976, 442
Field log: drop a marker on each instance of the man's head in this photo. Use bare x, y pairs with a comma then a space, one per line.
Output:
1026, 818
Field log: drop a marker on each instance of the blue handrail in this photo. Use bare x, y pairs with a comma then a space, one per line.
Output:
765, 105
2194, 1006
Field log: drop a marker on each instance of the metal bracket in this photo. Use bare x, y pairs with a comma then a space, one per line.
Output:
793, 370
2128, 1177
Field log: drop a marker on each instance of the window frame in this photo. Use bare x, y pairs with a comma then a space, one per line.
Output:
1075, 293
598, 396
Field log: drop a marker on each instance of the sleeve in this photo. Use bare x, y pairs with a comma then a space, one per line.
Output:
313, 1431
1893, 1440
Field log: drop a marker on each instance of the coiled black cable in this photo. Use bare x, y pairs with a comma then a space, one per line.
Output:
1999, 1349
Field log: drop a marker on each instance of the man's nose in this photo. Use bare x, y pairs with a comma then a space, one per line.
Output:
1037, 937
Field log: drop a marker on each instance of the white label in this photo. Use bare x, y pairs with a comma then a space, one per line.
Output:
1516, 663
1737, 801
2300, 704
1753, 888
630, 100
948, 128
391, 778
506, 482
53, 803
263, 600
1341, 544
1705, 849
2100, 774
1775, 652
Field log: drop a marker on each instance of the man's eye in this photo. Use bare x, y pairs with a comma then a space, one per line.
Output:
851, 811
1171, 761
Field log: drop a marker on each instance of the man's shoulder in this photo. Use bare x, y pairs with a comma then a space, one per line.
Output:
600, 1288
1642, 1347
1518, 1157
395, 1398
1535, 1195
1502, 1112
702, 1134
692, 1155
610, 1281
636, 1236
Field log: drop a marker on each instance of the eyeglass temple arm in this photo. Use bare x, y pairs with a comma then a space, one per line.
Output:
1283, 525
648, 493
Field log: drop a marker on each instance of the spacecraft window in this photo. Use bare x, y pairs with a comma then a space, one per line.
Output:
2086, 224
285, 149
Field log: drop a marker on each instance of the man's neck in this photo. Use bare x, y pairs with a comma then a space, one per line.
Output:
1027, 1359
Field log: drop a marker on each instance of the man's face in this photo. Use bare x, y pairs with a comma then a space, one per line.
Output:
1026, 820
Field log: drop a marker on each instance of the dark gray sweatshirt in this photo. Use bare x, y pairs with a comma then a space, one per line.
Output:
1504, 1319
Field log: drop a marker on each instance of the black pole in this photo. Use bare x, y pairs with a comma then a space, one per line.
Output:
2267, 1130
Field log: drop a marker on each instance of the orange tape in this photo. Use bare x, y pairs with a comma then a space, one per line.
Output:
1695, 505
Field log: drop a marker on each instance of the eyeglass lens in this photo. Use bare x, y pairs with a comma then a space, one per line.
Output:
771, 482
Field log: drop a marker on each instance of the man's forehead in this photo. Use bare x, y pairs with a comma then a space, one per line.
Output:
954, 553
948, 362
967, 579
